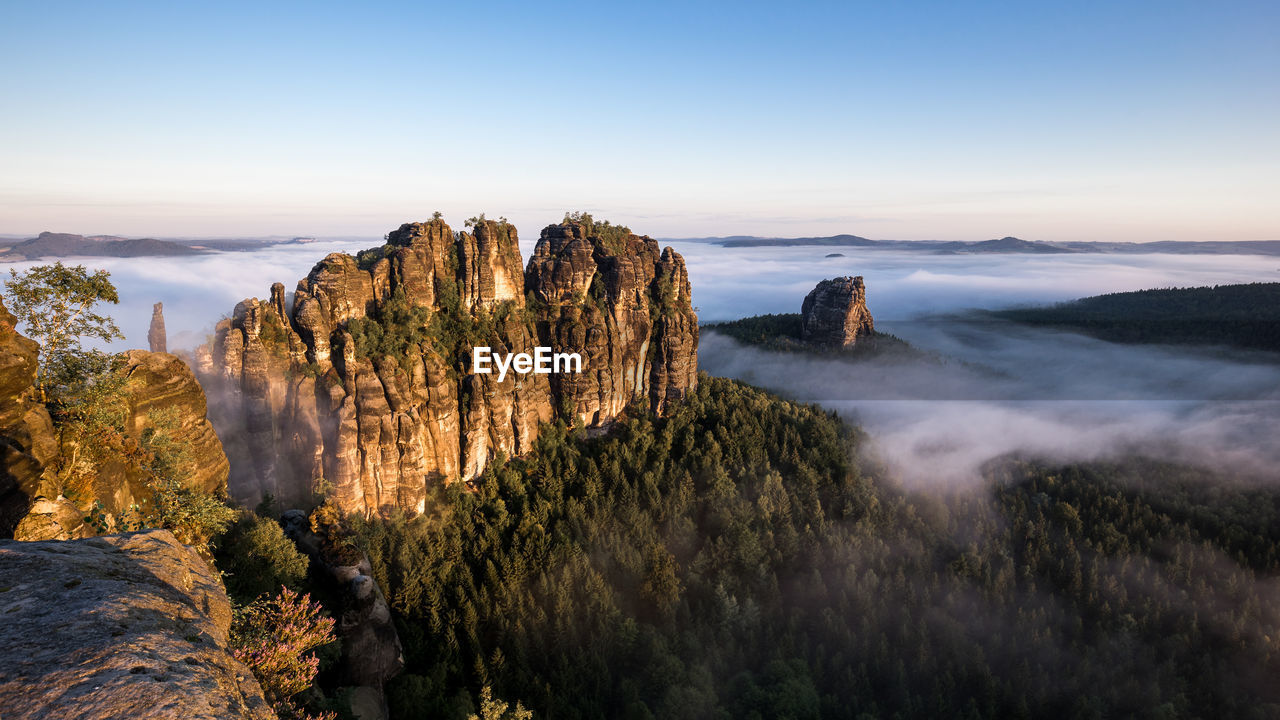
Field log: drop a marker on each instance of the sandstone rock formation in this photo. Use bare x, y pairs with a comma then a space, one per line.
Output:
155, 334
161, 388
117, 627
835, 313
371, 650
27, 440
162, 391
363, 384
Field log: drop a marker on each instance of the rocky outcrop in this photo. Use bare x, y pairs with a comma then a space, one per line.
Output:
625, 307
156, 337
120, 626
371, 650
362, 383
161, 390
835, 313
27, 440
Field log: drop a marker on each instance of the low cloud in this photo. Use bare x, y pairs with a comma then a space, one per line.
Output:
1001, 389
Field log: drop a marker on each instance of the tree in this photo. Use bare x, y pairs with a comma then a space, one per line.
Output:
256, 558
55, 304
494, 709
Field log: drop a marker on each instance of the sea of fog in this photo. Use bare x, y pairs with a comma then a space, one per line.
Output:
991, 388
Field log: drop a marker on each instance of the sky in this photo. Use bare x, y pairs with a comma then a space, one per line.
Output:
1052, 121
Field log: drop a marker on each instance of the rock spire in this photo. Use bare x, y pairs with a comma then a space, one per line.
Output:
835, 313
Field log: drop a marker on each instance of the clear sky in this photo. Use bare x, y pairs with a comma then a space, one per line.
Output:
1057, 121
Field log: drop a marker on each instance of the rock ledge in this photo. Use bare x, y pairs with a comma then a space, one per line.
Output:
119, 626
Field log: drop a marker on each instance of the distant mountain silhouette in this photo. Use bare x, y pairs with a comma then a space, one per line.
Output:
1006, 245
50, 244
843, 240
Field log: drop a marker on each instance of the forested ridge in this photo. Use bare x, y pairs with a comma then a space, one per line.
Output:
783, 331
1246, 316
736, 559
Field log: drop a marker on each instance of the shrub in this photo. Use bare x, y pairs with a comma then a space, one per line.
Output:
275, 638
257, 558
395, 330
612, 237
195, 517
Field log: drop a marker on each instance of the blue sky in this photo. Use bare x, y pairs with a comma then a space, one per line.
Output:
1064, 121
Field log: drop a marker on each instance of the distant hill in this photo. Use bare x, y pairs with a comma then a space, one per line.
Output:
950, 247
841, 240
50, 244
1245, 316
1225, 247
1004, 245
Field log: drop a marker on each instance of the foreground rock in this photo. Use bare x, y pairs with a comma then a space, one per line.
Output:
318, 401
120, 626
27, 440
835, 313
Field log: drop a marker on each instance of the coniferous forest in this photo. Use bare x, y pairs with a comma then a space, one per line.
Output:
1244, 316
738, 559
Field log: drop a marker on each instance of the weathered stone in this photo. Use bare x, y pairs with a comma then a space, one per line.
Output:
162, 384
117, 627
27, 441
835, 313
32, 506
371, 649
311, 413
155, 334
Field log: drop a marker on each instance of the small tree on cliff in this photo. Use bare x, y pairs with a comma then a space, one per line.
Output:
56, 304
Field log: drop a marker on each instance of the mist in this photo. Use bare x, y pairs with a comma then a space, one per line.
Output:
991, 388
988, 388
731, 283
197, 290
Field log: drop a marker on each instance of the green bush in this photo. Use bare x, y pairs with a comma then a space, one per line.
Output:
613, 237
256, 558
396, 330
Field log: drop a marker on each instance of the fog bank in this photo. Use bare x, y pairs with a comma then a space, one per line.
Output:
1058, 396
